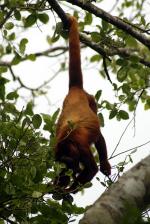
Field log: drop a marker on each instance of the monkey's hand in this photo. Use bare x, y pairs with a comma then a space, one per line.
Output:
105, 167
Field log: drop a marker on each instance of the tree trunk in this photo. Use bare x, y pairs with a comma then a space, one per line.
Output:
132, 188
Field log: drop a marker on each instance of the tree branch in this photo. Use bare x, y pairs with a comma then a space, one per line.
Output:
111, 19
132, 188
38, 54
93, 46
127, 52
60, 12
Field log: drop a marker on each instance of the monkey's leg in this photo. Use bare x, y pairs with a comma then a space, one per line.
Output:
89, 170
100, 145
71, 159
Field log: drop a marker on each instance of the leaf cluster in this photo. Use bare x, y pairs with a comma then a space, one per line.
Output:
27, 167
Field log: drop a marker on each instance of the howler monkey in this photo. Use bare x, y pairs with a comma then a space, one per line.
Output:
78, 125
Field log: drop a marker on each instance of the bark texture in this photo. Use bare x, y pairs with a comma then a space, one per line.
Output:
133, 187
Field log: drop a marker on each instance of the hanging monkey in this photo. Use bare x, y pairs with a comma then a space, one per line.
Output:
78, 126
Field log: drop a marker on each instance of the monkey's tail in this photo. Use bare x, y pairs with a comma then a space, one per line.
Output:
75, 73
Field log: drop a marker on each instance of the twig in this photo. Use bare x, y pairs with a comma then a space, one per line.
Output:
38, 54
29, 88
121, 138
106, 70
128, 150
114, 6
47, 52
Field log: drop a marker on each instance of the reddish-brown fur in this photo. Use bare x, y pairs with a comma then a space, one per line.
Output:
78, 125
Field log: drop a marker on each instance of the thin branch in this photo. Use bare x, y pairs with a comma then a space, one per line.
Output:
111, 19
19, 80
128, 150
121, 138
29, 88
114, 6
39, 54
47, 52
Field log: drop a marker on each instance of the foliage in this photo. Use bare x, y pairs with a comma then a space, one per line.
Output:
27, 167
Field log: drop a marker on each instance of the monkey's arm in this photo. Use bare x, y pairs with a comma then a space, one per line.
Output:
100, 145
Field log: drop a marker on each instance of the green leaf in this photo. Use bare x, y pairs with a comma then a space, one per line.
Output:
122, 74
113, 113
3, 69
126, 88
12, 95
59, 28
123, 115
131, 42
36, 194
22, 45
33, 171
17, 15
29, 109
55, 38
122, 62
105, 25
95, 37
98, 95
43, 17
143, 20
57, 196
88, 18
55, 115
16, 60
36, 121
49, 39
31, 57
8, 49
2, 92
134, 59
147, 104
101, 119
1, 16
12, 36
3, 81
88, 185
9, 26
95, 57
30, 20
25, 122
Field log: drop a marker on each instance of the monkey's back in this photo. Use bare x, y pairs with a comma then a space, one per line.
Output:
77, 115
